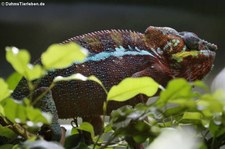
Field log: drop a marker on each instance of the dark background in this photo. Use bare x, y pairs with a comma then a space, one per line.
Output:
35, 28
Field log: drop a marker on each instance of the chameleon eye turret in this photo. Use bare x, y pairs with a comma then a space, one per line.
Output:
193, 42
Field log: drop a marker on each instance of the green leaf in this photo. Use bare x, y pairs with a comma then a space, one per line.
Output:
14, 111
17, 112
192, 116
9, 107
4, 90
174, 111
119, 117
77, 76
183, 102
80, 77
33, 72
216, 129
131, 87
87, 127
74, 131
6, 132
177, 88
13, 80
20, 59
60, 56
74, 142
211, 103
95, 79
35, 115
139, 138
2, 111
108, 128
201, 85
7, 146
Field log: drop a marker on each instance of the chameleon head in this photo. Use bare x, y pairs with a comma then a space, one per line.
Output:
186, 54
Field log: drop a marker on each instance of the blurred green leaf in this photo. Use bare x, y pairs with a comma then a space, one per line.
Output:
216, 129
13, 80
192, 116
220, 96
26, 102
139, 138
2, 111
131, 87
183, 102
174, 111
14, 111
80, 77
6, 132
95, 79
211, 103
7, 146
126, 122
7, 105
74, 131
202, 146
20, 60
17, 112
207, 113
35, 115
33, 72
87, 127
201, 85
4, 89
59, 56
75, 141
120, 118
108, 128
177, 88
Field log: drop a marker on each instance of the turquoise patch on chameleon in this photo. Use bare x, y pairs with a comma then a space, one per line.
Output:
118, 52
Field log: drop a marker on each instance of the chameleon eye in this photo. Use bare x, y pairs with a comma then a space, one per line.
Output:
191, 40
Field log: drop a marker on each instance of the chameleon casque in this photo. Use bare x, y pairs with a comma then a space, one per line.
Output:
161, 53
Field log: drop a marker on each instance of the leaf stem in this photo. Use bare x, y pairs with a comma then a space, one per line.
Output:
43, 94
18, 129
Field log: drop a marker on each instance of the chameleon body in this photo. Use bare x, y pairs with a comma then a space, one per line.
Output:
161, 53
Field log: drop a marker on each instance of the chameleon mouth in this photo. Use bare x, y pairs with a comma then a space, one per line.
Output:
207, 49
208, 53
208, 46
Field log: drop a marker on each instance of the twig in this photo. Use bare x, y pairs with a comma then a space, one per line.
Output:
18, 129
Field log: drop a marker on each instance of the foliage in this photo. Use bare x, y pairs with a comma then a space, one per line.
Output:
64, 55
177, 107
131, 87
